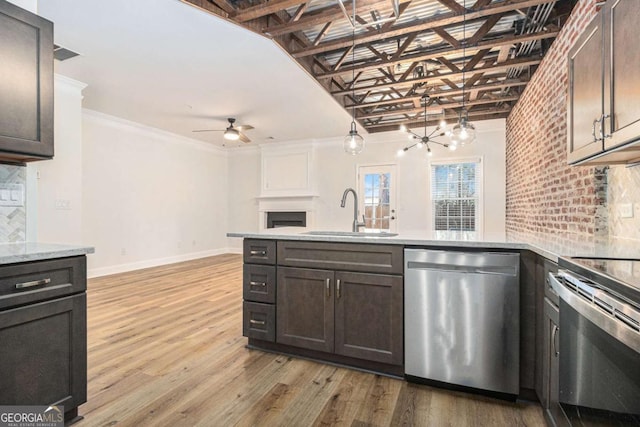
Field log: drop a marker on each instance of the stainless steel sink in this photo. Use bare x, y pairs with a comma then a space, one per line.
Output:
350, 234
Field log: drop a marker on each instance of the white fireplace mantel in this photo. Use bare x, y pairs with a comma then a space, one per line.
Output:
291, 203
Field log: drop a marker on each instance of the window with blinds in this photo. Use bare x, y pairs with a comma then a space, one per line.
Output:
455, 196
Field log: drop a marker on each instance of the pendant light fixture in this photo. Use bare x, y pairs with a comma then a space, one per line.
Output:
428, 138
463, 132
353, 142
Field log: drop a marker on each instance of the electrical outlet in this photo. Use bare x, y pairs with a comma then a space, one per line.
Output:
11, 195
626, 210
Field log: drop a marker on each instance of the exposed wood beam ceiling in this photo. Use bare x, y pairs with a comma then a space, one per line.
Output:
479, 58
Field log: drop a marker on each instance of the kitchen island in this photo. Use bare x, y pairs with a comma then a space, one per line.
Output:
364, 328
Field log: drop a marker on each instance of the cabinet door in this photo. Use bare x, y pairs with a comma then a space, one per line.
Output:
369, 317
26, 85
305, 308
551, 365
44, 353
622, 39
585, 104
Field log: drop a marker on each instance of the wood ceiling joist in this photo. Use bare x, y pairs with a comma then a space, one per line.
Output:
298, 13
520, 62
446, 37
219, 7
420, 56
395, 112
441, 20
264, 9
322, 33
504, 84
488, 114
319, 17
452, 5
404, 46
485, 28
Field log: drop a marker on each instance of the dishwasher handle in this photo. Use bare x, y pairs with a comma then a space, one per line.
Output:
498, 270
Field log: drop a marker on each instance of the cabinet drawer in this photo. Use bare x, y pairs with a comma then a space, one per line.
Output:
259, 283
366, 258
258, 251
30, 282
259, 321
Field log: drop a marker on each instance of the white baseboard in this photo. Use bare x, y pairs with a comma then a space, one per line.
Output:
123, 268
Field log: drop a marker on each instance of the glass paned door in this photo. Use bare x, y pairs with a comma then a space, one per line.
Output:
376, 189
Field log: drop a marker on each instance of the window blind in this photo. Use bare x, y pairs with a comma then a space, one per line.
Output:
455, 196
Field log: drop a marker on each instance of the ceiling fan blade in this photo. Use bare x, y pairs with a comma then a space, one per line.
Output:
208, 130
245, 127
244, 138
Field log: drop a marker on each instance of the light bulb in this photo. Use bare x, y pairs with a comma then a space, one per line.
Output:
463, 133
429, 152
410, 137
420, 144
400, 152
403, 128
353, 143
453, 147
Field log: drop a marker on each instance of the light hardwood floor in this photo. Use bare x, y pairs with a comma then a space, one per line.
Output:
166, 349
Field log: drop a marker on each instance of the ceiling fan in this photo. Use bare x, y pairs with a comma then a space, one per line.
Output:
231, 133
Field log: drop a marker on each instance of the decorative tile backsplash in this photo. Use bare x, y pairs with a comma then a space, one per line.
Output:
623, 202
13, 219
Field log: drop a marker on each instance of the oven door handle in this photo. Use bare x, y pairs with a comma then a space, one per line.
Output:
609, 324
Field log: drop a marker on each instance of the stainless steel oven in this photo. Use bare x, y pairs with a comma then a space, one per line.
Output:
599, 375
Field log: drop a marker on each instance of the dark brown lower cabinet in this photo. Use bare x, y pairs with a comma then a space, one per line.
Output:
305, 308
358, 315
550, 398
46, 360
369, 317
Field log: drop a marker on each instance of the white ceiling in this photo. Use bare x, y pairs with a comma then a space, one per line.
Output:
166, 64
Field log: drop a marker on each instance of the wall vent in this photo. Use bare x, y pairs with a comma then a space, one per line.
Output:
62, 53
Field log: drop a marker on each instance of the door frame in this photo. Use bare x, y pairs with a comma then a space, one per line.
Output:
393, 190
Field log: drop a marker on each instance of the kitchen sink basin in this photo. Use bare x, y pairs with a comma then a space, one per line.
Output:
350, 234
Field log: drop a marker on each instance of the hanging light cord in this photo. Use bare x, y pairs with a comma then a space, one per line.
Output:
464, 48
353, 67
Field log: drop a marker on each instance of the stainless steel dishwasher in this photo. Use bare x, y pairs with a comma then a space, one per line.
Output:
462, 319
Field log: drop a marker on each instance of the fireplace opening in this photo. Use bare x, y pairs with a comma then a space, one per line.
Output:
286, 219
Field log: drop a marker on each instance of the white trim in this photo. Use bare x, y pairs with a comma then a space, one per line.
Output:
69, 82
393, 170
127, 125
122, 268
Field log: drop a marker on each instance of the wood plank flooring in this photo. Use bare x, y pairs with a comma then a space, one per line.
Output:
166, 349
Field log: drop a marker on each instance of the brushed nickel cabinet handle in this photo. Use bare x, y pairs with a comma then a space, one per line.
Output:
328, 284
33, 283
555, 333
258, 253
338, 288
263, 284
593, 130
257, 322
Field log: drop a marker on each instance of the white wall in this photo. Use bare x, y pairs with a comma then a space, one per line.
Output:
59, 186
336, 171
149, 197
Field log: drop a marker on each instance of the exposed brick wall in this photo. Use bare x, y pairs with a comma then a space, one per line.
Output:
544, 194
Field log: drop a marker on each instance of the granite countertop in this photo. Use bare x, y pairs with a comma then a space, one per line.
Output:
11, 253
550, 246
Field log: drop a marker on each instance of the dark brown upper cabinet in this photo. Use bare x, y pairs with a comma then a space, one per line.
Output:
26, 85
603, 111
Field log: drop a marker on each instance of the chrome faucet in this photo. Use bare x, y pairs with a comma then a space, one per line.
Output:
356, 225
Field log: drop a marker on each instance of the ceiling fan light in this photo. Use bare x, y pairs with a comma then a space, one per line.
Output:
231, 134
